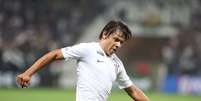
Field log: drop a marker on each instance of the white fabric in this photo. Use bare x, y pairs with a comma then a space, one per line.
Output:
96, 72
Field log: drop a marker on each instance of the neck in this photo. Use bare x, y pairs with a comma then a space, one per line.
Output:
103, 46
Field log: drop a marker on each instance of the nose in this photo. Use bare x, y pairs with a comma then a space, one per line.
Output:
118, 44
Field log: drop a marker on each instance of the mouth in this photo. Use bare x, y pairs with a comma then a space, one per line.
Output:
111, 51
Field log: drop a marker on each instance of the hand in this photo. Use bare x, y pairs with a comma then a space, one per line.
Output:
23, 80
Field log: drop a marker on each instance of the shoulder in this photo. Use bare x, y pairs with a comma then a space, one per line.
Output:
81, 46
77, 50
87, 44
86, 47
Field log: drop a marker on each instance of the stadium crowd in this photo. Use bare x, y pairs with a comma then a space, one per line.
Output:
30, 28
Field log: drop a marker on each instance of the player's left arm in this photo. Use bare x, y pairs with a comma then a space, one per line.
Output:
136, 94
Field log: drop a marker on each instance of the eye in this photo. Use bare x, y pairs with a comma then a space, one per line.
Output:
118, 40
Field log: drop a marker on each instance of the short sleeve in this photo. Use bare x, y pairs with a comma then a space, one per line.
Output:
74, 52
123, 79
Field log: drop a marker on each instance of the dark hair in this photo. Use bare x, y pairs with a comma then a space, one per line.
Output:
114, 26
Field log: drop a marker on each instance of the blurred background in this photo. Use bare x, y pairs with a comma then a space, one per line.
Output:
164, 54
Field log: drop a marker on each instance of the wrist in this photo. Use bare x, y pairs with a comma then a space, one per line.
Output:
28, 73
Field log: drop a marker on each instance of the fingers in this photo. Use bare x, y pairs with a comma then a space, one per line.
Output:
24, 85
22, 81
19, 80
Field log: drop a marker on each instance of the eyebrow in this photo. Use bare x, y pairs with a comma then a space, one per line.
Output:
119, 39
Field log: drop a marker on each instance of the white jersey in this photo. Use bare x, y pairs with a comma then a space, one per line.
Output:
96, 71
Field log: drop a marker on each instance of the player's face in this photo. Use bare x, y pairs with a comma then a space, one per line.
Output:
113, 42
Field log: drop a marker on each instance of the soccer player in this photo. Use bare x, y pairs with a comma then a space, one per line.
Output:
98, 66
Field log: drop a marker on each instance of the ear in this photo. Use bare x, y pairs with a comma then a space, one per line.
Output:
104, 35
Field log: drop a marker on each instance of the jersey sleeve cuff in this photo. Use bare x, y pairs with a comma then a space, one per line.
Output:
126, 85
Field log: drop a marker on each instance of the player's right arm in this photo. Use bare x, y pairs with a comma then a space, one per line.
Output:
136, 94
24, 78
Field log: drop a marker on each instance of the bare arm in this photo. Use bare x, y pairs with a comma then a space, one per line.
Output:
24, 78
136, 94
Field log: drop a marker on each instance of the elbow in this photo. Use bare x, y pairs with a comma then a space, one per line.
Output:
56, 54
146, 99
142, 99
136, 94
